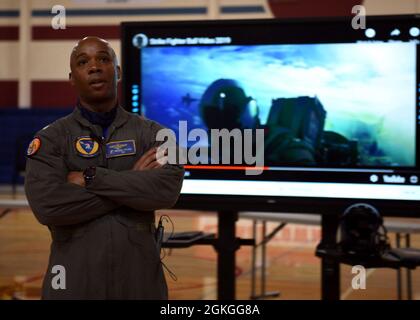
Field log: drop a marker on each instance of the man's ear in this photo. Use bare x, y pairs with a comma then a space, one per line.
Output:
118, 73
71, 79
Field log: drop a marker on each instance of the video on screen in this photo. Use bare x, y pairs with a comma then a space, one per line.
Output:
331, 105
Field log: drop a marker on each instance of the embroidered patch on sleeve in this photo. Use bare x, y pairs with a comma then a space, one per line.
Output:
33, 146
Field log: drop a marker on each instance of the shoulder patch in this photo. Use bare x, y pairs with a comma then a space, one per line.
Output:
33, 146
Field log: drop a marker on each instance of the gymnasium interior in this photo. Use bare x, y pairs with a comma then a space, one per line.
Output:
226, 239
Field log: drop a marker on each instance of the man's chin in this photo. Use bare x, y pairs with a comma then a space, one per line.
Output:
98, 98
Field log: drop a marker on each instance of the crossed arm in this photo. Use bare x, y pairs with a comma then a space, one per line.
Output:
150, 185
58, 197
150, 160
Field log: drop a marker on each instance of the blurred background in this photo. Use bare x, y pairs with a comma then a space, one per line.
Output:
34, 91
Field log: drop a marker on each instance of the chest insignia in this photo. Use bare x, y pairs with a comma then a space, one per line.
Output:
87, 147
120, 148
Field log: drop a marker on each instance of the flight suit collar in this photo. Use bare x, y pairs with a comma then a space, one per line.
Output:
120, 118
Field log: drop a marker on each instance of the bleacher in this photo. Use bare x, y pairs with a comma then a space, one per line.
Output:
17, 127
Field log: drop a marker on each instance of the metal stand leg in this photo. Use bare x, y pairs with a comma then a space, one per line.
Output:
4, 212
330, 268
409, 287
263, 243
254, 260
263, 258
399, 284
226, 248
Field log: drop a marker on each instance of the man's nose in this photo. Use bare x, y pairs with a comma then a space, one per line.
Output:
94, 67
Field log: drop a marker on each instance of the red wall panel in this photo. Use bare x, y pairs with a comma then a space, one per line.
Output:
9, 33
54, 94
312, 8
8, 93
75, 32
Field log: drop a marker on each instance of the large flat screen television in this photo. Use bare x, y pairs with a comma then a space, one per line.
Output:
334, 107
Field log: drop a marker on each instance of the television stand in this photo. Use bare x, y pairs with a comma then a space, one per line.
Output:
226, 246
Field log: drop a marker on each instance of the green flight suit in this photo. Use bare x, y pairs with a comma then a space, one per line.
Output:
102, 234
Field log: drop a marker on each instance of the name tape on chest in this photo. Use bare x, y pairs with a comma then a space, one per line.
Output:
120, 148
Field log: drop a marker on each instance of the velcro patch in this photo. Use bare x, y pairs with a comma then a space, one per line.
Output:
120, 148
87, 147
33, 146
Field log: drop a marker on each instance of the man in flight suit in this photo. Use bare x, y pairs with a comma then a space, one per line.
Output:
95, 178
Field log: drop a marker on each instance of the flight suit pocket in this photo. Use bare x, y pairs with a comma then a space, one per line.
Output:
145, 240
65, 234
141, 236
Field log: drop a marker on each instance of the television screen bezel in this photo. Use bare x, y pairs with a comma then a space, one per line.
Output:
315, 205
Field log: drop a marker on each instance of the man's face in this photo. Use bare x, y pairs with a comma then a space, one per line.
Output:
94, 72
